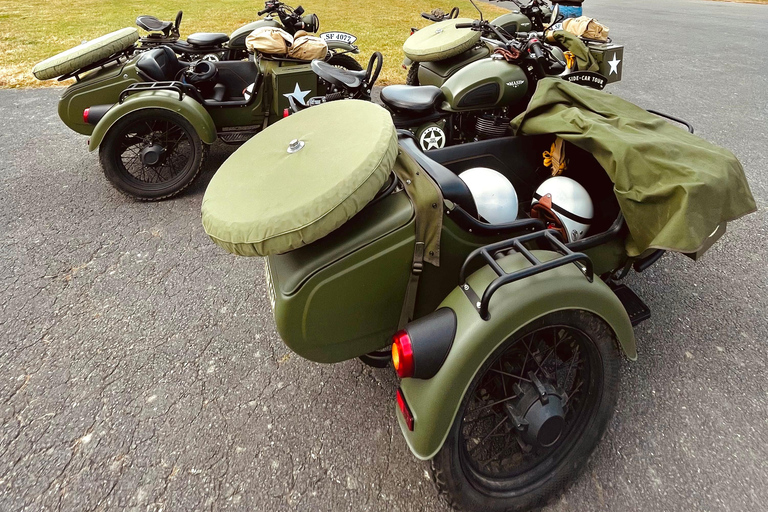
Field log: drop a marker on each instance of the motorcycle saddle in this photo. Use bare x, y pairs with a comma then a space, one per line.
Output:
159, 64
152, 24
339, 77
207, 39
411, 99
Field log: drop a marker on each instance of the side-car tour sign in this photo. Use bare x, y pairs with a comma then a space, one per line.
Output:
588, 79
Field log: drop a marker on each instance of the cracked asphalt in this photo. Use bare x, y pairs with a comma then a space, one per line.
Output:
140, 368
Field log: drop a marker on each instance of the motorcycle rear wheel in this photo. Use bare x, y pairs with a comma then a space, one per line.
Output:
487, 463
152, 154
413, 75
342, 60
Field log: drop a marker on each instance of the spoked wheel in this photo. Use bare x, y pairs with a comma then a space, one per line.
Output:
152, 154
344, 61
531, 416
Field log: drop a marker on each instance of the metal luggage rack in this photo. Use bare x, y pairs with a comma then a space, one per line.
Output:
153, 86
581, 260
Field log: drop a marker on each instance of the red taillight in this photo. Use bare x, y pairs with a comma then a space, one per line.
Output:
407, 416
85, 115
402, 354
286, 113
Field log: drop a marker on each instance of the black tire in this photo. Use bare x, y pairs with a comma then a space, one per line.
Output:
413, 75
182, 154
528, 485
345, 61
377, 358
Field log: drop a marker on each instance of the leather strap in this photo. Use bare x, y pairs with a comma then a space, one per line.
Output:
409, 304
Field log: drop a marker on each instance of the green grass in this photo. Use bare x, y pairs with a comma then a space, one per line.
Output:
33, 30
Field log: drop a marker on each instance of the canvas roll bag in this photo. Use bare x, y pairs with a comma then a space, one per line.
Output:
269, 40
307, 47
587, 27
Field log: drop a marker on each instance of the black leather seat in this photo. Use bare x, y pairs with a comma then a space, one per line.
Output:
412, 99
339, 77
207, 39
159, 64
152, 24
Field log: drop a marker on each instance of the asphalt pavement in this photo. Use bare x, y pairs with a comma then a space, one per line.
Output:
140, 368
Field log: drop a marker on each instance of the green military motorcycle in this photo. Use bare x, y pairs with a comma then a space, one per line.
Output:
433, 55
437, 52
507, 331
479, 99
153, 116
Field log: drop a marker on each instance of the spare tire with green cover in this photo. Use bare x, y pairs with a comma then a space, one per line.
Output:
294, 183
440, 41
86, 54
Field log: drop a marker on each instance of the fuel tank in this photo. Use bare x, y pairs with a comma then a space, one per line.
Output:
486, 84
438, 71
237, 38
514, 21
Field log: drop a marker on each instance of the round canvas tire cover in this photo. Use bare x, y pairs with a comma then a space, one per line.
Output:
440, 41
266, 200
85, 54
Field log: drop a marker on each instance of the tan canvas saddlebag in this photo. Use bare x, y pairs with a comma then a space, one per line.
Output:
587, 27
307, 47
269, 40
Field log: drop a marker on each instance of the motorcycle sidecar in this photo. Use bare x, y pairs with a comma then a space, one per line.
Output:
553, 331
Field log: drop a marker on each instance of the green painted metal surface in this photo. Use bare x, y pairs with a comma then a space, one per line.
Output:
188, 108
435, 402
472, 87
437, 72
341, 296
97, 87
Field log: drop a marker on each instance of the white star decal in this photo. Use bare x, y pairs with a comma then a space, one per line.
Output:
298, 94
614, 65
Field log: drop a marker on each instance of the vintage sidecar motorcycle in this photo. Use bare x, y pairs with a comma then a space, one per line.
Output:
499, 296
153, 116
437, 52
220, 46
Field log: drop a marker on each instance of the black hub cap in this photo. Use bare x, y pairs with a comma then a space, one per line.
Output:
528, 407
151, 155
155, 151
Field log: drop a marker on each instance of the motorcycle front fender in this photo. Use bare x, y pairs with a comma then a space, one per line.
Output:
435, 402
187, 107
341, 45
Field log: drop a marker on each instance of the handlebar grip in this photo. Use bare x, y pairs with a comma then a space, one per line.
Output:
465, 25
263, 12
537, 51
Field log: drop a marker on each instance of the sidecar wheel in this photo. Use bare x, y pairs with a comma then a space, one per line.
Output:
508, 449
341, 60
152, 154
413, 75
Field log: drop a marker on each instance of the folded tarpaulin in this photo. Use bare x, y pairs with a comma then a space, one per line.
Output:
674, 188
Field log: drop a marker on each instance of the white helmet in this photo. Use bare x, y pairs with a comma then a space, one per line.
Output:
565, 205
494, 195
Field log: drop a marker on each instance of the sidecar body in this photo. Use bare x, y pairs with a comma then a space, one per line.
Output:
369, 237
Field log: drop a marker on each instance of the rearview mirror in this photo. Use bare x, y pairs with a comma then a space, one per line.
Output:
555, 15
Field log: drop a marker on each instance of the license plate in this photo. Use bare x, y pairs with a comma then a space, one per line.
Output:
339, 36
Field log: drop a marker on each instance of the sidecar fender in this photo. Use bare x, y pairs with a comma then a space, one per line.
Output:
435, 402
187, 107
341, 45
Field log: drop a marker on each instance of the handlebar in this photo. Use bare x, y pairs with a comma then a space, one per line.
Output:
263, 12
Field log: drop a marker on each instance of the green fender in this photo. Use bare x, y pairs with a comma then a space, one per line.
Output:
187, 107
434, 403
341, 45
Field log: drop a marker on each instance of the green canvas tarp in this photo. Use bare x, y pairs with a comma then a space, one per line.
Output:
674, 188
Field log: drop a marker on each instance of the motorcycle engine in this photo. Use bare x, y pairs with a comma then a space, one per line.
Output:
491, 126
